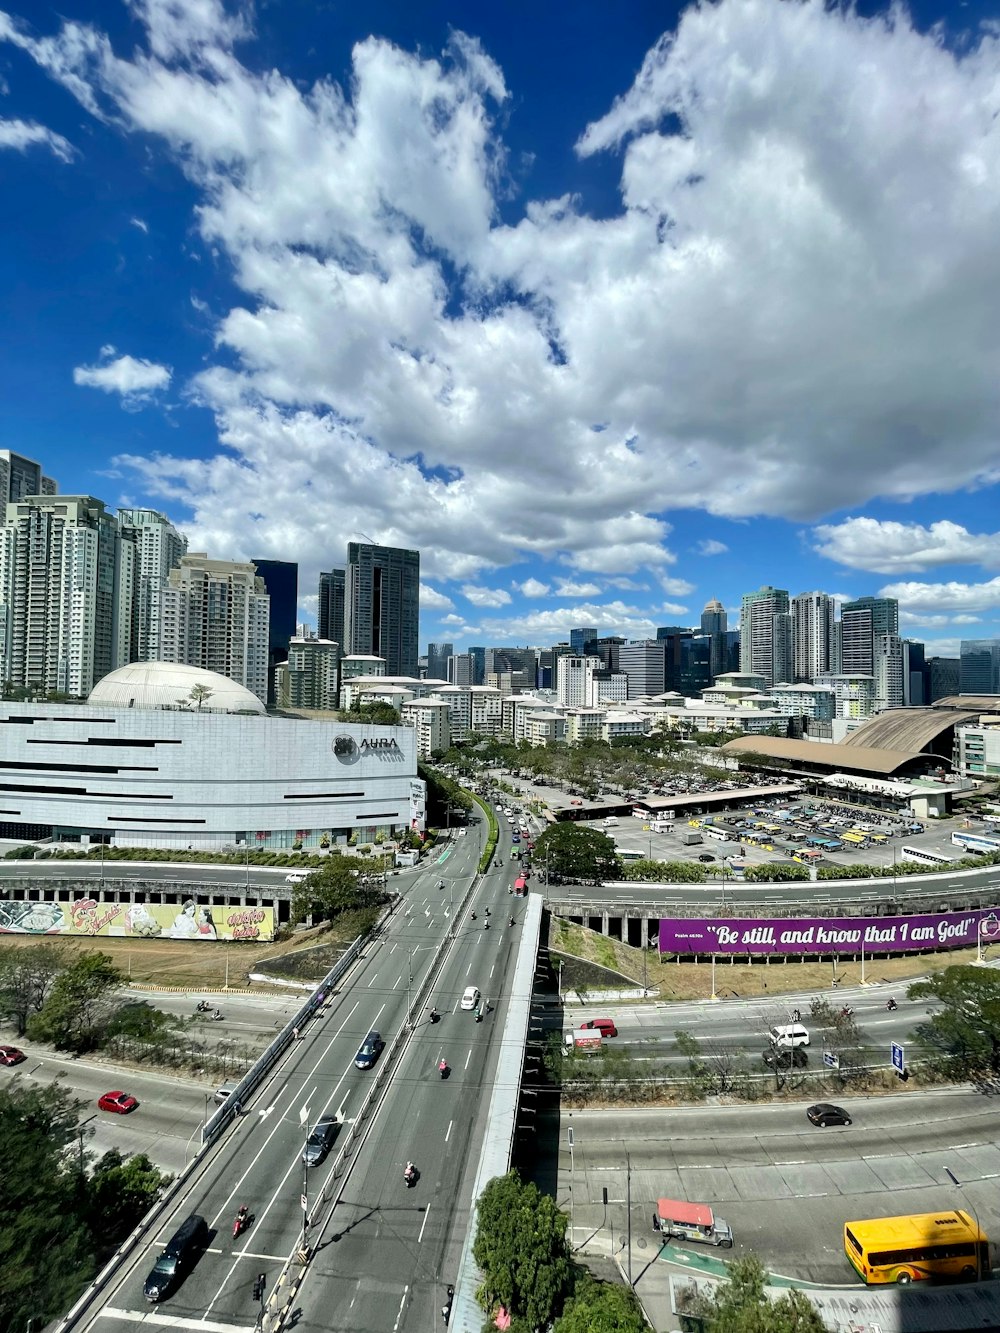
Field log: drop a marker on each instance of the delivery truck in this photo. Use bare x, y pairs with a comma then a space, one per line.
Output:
584, 1040
691, 1221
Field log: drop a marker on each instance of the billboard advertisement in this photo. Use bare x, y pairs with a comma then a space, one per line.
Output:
187, 920
826, 935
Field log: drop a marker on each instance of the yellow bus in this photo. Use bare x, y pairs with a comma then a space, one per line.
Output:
918, 1246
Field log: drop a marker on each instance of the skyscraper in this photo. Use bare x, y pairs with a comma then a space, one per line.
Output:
812, 634
888, 654
66, 582
20, 477
714, 623
437, 660
578, 639
644, 662
478, 654
214, 614
382, 605
764, 629
281, 583
861, 622
330, 611
158, 549
979, 666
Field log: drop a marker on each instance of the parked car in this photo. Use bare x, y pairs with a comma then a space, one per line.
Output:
320, 1141
10, 1055
369, 1051
119, 1102
825, 1113
777, 1057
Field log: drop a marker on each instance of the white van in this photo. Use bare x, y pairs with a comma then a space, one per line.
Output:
296, 876
610, 822
787, 1036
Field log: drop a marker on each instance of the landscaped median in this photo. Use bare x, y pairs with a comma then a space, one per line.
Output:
492, 836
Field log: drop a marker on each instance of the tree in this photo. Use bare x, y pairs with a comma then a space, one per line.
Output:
76, 1012
967, 1028
375, 711
601, 1307
741, 1305
121, 1191
571, 852
521, 1251
337, 886
27, 973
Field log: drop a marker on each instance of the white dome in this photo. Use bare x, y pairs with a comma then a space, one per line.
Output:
169, 685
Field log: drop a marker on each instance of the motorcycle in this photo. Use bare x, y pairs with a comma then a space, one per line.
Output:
510, 922
434, 1016
487, 911
891, 1004
847, 1012
217, 1017
242, 1221
473, 916
410, 1175
486, 925
443, 1069
202, 1007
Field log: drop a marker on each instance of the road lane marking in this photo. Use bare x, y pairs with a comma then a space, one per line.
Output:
468, 1058
427, 1213
373, 980
402, 1302
451, 1125
172, 1320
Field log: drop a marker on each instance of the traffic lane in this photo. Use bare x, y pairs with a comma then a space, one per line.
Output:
390, 1240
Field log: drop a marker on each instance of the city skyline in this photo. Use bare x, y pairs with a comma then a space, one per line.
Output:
491, 334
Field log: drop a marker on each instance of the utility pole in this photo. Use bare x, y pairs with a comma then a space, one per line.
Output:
304, 1123
628, 1196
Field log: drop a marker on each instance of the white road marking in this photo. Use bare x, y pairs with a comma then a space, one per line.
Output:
402, 1302
422, 1225
451, 1125
172, 1320
468, 1058
373, 980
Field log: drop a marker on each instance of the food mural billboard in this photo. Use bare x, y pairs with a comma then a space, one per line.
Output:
186, 920
826, 935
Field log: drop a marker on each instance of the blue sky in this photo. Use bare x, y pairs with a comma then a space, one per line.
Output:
608, 310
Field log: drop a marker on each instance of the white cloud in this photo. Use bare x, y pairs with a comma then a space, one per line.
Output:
485, 596
676, 587
532, 588
887, 547
21, 135
949, 599
711, 547
142, 226
569, 588
800, 371
673, 608
910, 620
432, 600
544, 627
135, 379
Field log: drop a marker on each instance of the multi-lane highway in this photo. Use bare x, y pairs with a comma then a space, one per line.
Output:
383, 1253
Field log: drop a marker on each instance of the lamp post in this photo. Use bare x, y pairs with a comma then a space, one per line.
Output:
979, 1245
304, 1123
628, 1205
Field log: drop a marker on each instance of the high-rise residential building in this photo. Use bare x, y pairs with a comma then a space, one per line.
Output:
158, 549
644, 662
437, 660
382, 605
330, 607
214, 614
855, 695
714, 623
979, 666
310, 677
66, 584
765, 632
281, 583
813, 616
478, 654
21, 477
888, 653
944, 677
578, 639
861, 622
550, 663
575, 682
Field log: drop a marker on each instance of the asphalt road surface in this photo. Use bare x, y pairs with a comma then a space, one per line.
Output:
384, 1251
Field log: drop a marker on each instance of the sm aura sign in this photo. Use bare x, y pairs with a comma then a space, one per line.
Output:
826, 935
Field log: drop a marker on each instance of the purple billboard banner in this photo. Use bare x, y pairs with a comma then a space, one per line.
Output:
812, 934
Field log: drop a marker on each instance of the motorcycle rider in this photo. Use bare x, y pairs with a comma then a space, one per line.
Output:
242, 1217
443, 1067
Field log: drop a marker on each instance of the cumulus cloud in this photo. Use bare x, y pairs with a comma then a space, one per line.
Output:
569, 588
827, 256
554, 625
711, 547
433, 600
485, 596
133, 378
950, 598
676, 587
21, 135
532, 588
887, 547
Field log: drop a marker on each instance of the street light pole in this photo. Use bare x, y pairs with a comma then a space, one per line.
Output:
958, 1184
628, 1205
304, 1123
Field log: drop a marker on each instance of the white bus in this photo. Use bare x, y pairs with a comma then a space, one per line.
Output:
925, 857
975, 842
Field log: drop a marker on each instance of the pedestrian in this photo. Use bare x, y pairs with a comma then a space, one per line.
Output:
295, 1034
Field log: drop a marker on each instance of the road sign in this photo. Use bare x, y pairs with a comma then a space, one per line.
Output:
898, 1062
830, 1060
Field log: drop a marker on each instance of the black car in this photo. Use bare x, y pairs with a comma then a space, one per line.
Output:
177, 1256
781, 1057
825, 1113
320, 1141
369, 1051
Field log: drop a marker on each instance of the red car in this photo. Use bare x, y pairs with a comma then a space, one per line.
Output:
10, 1055
119, 1102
